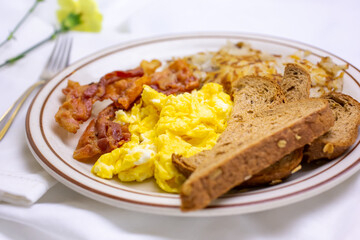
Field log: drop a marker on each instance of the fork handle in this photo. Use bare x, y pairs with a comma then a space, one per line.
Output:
17, 105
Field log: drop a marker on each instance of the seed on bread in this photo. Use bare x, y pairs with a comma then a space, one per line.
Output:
276, 181
310, 118
328, 148
279, 170
281, 143
216, 173
298, 168
344, 132
247, 177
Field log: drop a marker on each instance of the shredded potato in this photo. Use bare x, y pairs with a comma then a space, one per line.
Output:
237, 60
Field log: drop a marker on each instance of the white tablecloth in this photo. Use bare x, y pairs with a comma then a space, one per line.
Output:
64, 214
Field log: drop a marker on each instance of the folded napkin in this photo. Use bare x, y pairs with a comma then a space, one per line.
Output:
24, 188
22, 180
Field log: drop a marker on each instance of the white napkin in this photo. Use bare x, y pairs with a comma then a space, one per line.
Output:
24, 188
22, 180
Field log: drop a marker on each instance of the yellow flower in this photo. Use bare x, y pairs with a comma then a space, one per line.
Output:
87, 10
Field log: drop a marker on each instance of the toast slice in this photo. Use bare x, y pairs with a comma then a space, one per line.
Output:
251, 95
295, 85
249, 98
344, 132
278, 171
252, 146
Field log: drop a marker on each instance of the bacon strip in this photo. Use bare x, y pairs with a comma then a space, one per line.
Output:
102, 135
124, 92
77, 106
177, 78
79, 99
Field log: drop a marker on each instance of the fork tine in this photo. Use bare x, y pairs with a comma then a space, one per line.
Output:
53, 54
64, 53
59, 57
67, 59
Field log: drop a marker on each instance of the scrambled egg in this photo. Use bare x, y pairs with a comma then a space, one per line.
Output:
161, 125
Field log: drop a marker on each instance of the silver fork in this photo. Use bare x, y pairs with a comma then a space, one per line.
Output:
58, 60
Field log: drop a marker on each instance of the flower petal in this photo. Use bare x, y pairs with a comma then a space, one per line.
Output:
91, 18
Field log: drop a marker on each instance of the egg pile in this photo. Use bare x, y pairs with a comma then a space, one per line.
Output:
160, 126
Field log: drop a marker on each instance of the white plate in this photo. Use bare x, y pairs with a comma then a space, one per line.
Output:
53, 147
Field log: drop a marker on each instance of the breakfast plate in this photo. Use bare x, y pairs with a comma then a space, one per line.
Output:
53, 147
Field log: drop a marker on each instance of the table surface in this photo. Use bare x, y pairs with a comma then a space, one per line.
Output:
64, 214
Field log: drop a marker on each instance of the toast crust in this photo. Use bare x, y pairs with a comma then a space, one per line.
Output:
344, 132
222, 170
278, 171
296, 82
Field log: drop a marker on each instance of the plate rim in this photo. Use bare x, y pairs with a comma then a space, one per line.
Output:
62, 177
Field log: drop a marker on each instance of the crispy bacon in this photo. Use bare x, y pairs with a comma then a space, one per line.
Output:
124, 92
113, 78
122, 85
102, 135
177, 78
77, 106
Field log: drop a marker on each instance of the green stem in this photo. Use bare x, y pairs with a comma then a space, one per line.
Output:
11, 34
21, 55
